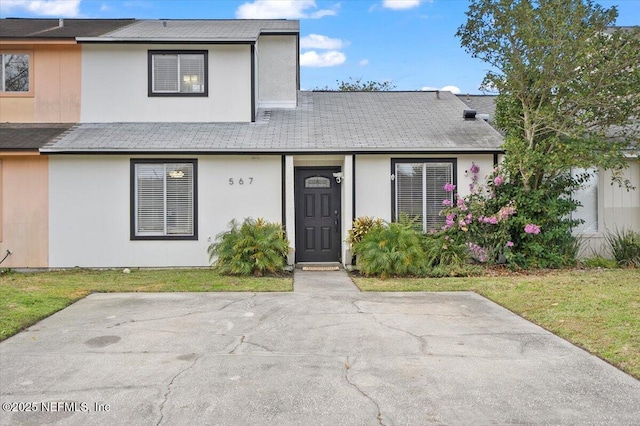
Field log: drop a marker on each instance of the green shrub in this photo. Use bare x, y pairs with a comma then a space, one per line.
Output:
444, 250
502, 222
625, 247
455, 271
361, 227
600, 262
391, 250
255, 248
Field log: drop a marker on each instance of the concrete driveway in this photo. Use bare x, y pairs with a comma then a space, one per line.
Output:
315, 358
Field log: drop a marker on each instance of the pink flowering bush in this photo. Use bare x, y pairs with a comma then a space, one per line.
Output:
501, 223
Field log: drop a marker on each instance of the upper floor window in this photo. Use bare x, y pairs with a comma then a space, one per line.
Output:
178, 73
15, 72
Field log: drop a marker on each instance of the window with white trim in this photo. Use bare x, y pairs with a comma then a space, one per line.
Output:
178, 73
15, 72
419, 191
587, 196
164, 200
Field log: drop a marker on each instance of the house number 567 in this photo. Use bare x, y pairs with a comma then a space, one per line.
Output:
241, 181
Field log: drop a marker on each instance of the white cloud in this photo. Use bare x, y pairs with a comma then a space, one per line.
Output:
453, 89
282, 9
65, 8
363, 62
314, 59
317, 41
401, 4
104, 8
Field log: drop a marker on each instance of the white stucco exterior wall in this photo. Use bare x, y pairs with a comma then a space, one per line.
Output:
618, 210
277, 71
115, 86
90, 210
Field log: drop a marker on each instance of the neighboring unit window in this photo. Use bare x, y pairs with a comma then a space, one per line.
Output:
173, 73
164, 199
419, 191
15, 72
587, 196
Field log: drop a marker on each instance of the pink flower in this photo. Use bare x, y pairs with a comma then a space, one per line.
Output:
449, 187
474, 168
447, 203
509, 243
532, 229
498, 180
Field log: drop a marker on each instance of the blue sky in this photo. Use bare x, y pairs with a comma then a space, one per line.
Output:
410, 42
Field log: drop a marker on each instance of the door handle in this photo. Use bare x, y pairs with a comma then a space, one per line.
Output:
336, 221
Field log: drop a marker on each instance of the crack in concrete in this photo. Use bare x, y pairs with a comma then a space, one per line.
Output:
166, 395
347, 367
355, 304
236, 347
253, 295
421, 339
154, 319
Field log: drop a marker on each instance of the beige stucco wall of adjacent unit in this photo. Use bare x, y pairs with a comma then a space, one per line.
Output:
373, 179
54, 95
24, 210
115, 86
618, 210
90, 207
277, 71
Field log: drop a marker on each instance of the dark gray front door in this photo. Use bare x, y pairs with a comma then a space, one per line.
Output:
317, 215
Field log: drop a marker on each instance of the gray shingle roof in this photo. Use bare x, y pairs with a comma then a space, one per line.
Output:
483, 104
212, 30
322, 122
24, 137
29, 28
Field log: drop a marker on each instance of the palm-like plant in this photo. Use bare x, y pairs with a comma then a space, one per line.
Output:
255, 247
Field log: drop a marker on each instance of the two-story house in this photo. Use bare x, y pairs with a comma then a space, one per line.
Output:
40, 91
187, 124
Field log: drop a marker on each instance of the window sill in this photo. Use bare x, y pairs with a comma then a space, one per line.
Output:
17, 94
164, 238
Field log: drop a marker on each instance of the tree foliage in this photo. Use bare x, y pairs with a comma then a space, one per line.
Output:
357, 85
568, 84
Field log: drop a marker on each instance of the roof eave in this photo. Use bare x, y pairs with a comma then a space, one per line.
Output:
171, 40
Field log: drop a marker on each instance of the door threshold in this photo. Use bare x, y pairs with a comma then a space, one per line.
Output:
319, 266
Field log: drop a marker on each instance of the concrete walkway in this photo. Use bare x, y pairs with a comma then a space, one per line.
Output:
323, 282
339, 357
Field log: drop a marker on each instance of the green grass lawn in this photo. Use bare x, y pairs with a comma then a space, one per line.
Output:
598, 310
27, 298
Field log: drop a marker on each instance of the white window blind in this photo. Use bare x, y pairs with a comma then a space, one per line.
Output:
420, 192
191, 73
588, 197
165, 73
178, 73
164, 199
